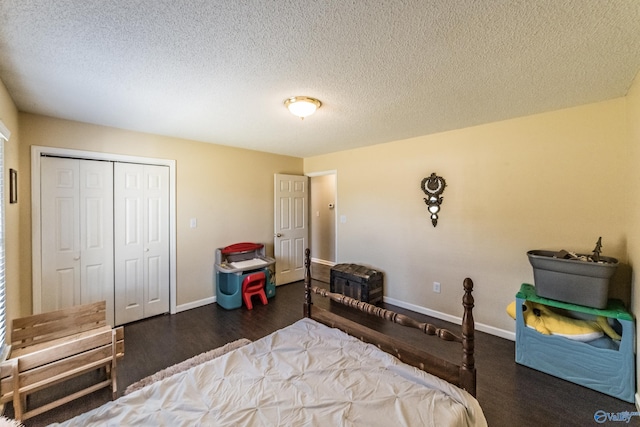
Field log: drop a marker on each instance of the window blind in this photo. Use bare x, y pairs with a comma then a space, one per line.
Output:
3, 318
4, 136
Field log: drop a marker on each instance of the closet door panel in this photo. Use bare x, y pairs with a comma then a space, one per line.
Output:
62, 290
156, 248
60, 233
154, 273
94, 290
128, 240
96, 234
132, 285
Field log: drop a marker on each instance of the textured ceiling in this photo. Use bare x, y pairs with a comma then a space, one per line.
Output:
219, 71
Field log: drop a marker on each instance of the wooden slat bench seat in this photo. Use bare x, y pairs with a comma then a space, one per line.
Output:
49, 348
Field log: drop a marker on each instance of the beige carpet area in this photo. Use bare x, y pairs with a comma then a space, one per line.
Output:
183, 366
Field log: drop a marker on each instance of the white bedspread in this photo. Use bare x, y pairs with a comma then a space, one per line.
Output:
303, 375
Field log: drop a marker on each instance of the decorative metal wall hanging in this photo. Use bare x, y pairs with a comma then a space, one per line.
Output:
433, 186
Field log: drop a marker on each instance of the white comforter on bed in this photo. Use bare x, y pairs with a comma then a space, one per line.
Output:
303, 375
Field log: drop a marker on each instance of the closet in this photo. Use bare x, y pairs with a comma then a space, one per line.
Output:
104, 236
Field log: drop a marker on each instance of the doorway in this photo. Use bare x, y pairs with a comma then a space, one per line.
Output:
323, 214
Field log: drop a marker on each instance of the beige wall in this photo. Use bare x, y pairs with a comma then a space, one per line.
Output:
548, 181
228, 190
14, 249
633, 196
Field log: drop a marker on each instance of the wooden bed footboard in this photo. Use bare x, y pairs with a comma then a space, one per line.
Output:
462, 375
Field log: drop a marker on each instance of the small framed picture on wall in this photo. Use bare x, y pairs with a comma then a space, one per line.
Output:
13, 186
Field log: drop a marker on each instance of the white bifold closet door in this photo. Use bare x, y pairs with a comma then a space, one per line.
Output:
141, 238
77, 233
105, 236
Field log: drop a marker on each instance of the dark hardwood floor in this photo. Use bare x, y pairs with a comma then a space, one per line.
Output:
510, 394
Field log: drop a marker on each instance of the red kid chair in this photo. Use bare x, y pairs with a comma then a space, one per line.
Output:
252, 285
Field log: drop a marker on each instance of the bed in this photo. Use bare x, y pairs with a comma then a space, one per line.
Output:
314, 373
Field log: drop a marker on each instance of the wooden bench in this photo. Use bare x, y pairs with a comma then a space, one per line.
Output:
49, 348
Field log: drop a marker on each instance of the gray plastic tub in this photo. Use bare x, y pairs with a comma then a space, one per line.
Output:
572, 281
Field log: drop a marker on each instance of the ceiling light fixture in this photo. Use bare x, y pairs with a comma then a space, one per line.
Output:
302, 106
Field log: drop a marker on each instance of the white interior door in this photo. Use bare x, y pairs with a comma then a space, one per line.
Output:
291, 229
77, 245
141, 230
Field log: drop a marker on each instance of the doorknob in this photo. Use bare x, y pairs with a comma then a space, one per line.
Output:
278, 235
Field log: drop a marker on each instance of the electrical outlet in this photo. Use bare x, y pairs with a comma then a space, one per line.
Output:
436, 287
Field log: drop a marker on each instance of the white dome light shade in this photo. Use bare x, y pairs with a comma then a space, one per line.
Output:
302, 106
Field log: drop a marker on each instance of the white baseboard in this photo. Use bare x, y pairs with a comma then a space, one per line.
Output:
638, 401
323, 262
418, 309
453, 319
195, 304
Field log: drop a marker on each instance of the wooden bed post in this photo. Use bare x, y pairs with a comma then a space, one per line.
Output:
468, 370
307, 284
